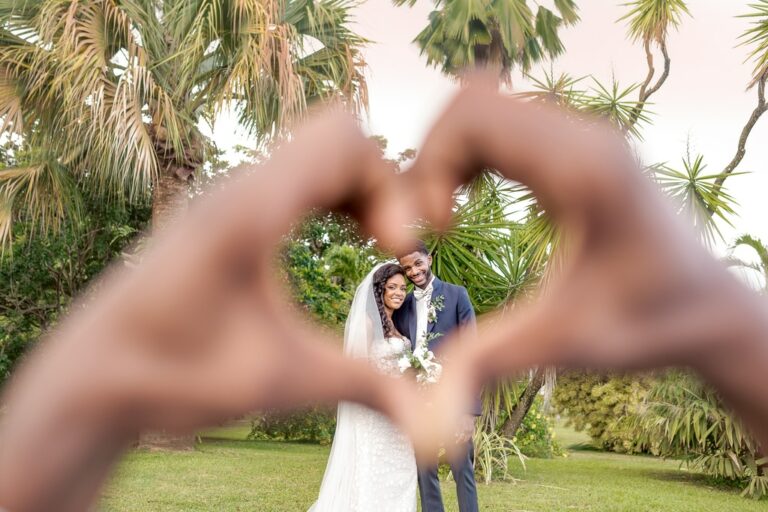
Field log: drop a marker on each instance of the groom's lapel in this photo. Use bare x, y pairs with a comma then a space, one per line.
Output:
412, 320
437, 290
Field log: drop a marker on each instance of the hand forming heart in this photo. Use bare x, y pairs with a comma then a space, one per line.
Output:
200, 331
636, 291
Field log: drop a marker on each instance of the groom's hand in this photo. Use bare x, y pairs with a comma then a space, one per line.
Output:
636, 289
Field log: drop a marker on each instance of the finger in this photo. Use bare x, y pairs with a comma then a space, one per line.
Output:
385, 207
568, 162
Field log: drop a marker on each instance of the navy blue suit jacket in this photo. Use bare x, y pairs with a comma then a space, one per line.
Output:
457, 312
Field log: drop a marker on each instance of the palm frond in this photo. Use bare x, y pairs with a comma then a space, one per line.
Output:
562, 90
115, 89
500, 33
697, 194
41, 193
757, 245
757, 38
11, 113
614, 104
761, 250
684, 418
651, 19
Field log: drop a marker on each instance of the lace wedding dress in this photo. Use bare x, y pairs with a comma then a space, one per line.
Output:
372, 467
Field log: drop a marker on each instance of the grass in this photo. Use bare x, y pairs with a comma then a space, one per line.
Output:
227, 473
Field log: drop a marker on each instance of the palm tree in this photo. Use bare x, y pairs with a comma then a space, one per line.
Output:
109, 95
650, 21
463, 34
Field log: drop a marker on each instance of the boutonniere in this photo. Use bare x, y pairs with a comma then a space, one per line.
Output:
436, 304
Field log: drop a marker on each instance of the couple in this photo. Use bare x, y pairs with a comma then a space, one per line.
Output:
372, 467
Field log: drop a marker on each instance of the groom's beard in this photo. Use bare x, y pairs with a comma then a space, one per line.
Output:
427, 279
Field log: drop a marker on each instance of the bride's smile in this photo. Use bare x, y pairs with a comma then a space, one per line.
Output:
394, 292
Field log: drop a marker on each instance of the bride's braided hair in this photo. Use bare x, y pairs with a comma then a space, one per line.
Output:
380, 279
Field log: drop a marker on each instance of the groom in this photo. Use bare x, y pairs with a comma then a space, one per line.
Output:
431, 311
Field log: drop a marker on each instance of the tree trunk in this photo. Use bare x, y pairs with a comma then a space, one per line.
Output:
164, 440
169, 201
524, 405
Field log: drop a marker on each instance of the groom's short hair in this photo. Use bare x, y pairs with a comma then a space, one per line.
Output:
414, 246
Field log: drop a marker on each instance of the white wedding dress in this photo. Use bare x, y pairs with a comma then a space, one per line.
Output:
371, 467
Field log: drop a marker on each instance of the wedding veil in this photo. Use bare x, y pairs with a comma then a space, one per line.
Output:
362, 329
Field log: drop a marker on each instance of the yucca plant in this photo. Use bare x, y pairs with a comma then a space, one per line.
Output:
482, 249
613, 103
562, 90
110, 94
650, 21
491, 252
697, 195
756, 38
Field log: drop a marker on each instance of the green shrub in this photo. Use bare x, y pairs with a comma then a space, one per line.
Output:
604, 405
315, 425
535, 438
41, 273
685, 418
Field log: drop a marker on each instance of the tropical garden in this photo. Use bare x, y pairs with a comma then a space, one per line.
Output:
106, 109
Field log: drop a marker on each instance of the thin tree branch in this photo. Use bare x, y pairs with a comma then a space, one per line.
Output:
664, 74
651, 69
741, 149
646, 90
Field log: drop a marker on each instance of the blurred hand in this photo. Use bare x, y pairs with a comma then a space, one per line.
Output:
202, 329
466, 430
636, 289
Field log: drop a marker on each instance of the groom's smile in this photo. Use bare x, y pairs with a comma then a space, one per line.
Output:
417, 266
419, 279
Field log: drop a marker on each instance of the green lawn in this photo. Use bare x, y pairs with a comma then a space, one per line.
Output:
227, 473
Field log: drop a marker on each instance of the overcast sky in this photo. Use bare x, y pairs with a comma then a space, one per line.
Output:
704, 100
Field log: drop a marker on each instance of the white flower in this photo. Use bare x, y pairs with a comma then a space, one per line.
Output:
423, 360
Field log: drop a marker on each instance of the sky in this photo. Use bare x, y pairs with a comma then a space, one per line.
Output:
702, 105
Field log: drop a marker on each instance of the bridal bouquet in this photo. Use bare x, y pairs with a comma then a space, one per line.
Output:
423, 360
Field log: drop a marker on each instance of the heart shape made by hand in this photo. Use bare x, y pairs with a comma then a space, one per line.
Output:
201, 330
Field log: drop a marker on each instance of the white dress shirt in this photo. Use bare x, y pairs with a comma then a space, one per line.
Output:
421, 311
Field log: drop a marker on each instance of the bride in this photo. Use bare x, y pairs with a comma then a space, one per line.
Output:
372, 466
